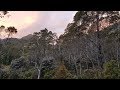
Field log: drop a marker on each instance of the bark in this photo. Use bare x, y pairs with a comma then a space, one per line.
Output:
38, 74
38, 69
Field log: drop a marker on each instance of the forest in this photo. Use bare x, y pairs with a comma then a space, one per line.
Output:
88, 49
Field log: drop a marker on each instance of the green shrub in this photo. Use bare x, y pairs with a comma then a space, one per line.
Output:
91, 74
111, 70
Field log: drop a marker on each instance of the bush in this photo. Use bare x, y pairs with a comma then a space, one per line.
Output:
5, 75
91, 74
28, 74
4, 72
111, 70
14, 75
49, 74
18, 63
62, 73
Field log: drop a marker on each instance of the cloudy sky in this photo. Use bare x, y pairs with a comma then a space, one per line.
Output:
28, 22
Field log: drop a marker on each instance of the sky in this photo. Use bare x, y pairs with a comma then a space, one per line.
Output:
28, 22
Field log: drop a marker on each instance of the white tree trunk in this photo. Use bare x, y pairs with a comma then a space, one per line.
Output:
38, 69
38, 74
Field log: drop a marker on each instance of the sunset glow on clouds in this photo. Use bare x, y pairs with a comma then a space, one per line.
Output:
20, 19
28, 22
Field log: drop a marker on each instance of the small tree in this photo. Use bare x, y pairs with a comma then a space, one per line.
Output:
11, 30
62, 72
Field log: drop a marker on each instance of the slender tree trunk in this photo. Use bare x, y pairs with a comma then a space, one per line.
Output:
69, 58
87, 65
80, 68
38, 69
98, 41
38, 74
92, 64
118, 51
75, 66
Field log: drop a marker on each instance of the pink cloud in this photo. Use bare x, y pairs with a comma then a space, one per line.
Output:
55, 21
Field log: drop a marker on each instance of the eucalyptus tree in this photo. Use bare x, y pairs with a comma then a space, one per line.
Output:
42, 44
84, 20
8, 31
